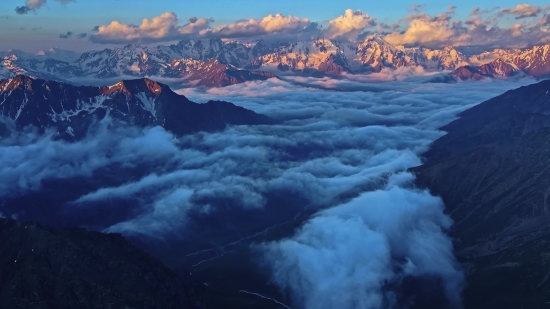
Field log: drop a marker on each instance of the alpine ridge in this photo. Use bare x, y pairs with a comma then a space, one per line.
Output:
216, 63
142, 102
491, 169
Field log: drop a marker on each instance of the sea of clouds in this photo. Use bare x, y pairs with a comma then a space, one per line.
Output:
337, 139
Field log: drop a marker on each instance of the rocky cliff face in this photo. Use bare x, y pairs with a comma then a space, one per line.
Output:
491, 169
48, 268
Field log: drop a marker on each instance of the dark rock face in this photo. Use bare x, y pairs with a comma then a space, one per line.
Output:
497, 68
142, 102
491, 169
47, 268
470, 72
335, 65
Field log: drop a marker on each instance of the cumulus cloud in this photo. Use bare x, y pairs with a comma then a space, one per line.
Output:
277, 24
81, 35
165, 27
33, 5
425, 29
483, 28
349, 25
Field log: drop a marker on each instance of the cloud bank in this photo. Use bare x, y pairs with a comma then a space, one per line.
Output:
333, 150
484, 27
347, 256
367, 252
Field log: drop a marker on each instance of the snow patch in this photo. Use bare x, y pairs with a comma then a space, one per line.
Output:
148, 104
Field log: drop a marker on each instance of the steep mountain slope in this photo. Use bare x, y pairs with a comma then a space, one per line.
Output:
317, 56
491, 169
47, 268
143, 102
375, 53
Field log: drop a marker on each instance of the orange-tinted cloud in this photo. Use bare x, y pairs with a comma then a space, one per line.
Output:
351, 24
483, 27
163, 27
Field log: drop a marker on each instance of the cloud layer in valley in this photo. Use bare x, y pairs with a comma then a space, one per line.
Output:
328, 150
355, 254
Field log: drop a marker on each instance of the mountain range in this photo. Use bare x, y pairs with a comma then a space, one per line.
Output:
142, 102
216, 63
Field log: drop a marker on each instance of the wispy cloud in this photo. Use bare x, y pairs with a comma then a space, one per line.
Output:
522, 11
34, 5
66, 35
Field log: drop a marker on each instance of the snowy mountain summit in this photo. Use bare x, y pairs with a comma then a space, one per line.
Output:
216, 63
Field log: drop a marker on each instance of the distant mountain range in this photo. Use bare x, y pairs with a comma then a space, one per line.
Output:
52, 53
142, 102
215, 63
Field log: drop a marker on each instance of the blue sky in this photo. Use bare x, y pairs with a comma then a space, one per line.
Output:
41, 30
